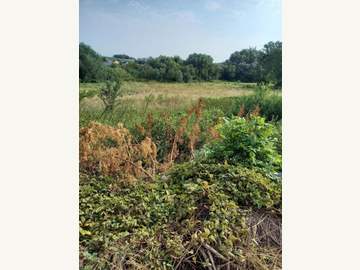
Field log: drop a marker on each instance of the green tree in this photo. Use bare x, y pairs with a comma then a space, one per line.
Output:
228, 72
109, 93
91, 67
122, 56
188, 72
247, 65
205, 69
272, 63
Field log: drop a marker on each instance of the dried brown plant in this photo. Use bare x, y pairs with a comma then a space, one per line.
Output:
149, 124
242, 111
256, 111
110, 151
179, 135
195, 129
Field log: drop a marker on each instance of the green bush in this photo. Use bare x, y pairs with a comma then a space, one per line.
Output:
246, 187
248, 141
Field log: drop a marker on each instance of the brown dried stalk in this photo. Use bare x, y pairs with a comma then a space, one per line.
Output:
256, 111
242, 111
195, 130
110, 151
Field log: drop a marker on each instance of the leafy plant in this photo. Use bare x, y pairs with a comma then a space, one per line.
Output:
247, 141
195, 215
109, 94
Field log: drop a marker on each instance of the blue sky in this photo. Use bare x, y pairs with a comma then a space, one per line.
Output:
142, 28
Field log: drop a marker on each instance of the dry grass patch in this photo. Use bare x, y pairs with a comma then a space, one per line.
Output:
167, 95
189, 90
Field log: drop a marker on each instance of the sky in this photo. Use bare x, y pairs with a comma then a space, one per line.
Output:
143, 28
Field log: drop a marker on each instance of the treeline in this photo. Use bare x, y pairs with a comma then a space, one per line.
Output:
247, 65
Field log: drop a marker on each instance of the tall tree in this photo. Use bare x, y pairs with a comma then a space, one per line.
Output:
91, 68
204, 67
272, 62
247, 65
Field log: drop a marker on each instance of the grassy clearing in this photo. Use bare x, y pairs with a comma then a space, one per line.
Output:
139, 90
151, 97
143, 98
169, 94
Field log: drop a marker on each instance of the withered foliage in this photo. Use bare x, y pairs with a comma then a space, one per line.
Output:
195, 130
194, 134
110, 151
181, 141
256, 111
215, 134
242, 111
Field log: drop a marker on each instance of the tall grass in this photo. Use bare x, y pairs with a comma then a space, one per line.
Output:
167, 112
270, 105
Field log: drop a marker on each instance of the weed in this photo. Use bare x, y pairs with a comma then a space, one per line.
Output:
109, 151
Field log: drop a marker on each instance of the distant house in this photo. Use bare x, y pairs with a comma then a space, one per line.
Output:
126, 61
111, 61
117, 61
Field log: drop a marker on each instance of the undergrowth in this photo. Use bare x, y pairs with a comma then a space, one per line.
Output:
268, 103
194, 217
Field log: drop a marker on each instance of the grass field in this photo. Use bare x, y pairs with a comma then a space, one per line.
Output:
140, 98
173, 94
190, 90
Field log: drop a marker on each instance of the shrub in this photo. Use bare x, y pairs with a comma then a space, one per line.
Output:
118, 73
247, 141
246, 187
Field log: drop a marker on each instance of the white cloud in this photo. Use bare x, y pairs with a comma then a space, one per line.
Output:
185, 16
213, 6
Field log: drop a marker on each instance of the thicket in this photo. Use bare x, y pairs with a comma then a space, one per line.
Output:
247, 65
